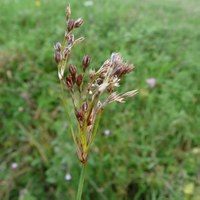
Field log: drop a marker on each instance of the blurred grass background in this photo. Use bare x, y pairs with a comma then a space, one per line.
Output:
153, 149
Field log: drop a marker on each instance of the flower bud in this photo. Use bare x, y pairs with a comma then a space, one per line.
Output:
70, 25
57, 46
79, 115
79, 80
70, 39
116, 57
69, 82
68, 12
86, 62
57, 56
66, 52
72, 71
78, 23
84, 106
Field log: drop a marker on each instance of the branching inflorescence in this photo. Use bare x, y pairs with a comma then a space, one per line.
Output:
89, 97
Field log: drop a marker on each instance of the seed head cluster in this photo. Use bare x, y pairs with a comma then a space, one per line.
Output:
90, 90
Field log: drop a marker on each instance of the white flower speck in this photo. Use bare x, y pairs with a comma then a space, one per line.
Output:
90, 92
106, 132
14, 165
88, 3
20, 109
68, 177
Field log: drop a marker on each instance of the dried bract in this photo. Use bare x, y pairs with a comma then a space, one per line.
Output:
79, 40
68, 12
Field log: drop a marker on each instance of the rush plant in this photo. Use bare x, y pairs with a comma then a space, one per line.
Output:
90, 91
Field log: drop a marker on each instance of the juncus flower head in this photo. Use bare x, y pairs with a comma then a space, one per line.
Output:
90, 92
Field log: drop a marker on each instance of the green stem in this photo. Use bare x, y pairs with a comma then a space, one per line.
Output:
96, 126
81, 182
66, 110
81, 91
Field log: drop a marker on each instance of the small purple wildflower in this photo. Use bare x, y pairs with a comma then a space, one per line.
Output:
68, 177
14, 165
106, 132
151, 82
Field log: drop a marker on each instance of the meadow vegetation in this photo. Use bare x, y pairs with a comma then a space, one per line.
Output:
146, 149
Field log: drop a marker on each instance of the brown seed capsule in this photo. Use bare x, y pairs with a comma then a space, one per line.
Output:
57, 56
84, 106
78, 23
79, 115
79, 80
72, 71
84, 157
117, 72
86, 62
70, 25
69, 82
68, 12
99, 81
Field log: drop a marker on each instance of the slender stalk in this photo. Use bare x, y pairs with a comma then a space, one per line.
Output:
96, 127
81, 90
81, 182
66, 110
